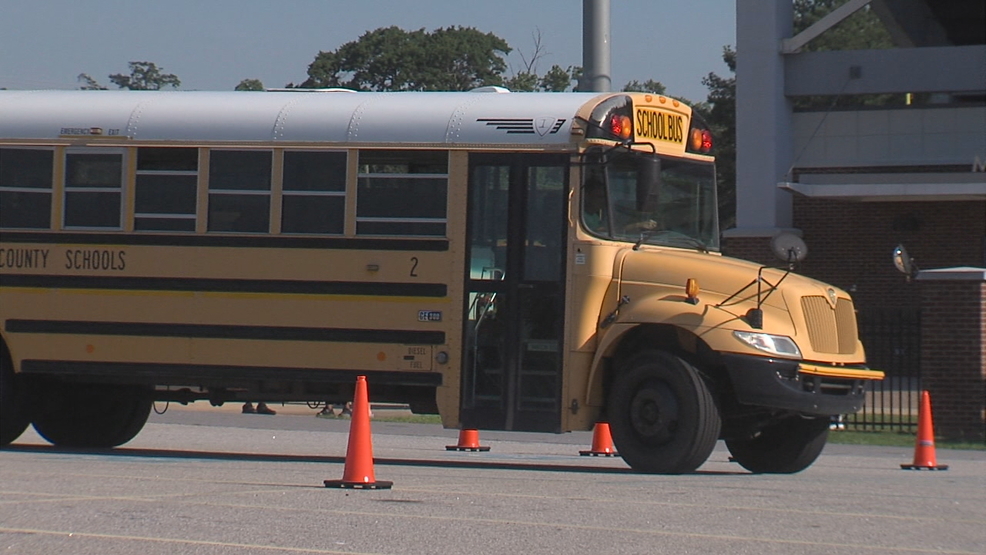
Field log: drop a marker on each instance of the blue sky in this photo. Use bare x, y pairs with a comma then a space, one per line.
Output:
214, 44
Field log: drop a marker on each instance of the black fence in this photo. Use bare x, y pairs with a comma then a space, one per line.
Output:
892, 339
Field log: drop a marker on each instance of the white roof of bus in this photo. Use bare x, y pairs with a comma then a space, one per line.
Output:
452, 118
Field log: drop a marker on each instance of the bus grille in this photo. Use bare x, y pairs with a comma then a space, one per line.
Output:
830, 331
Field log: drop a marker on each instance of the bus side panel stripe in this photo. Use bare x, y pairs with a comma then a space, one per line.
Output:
437, 290
245, 241
180, 374
213, 331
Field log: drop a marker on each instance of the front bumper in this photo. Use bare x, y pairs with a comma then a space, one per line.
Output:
798, 386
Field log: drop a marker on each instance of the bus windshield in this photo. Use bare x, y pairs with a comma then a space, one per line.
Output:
648, 199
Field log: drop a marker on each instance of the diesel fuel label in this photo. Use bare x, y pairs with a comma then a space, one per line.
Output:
68, 259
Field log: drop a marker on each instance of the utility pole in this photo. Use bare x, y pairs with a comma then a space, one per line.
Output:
595, 47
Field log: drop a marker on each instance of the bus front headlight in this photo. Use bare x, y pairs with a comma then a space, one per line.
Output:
779, 345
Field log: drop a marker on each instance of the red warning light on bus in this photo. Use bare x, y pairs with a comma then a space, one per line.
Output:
621, 126
701, 140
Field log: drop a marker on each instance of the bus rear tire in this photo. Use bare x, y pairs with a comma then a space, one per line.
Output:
789, 446
93, 416
662, 416
13, 414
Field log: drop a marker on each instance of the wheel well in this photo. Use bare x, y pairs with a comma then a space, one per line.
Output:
7, 363
23, 394
5, 357
675, 340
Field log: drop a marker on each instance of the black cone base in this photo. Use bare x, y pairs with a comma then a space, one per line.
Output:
379, 484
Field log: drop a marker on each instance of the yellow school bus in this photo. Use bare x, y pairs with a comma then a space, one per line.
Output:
510, 261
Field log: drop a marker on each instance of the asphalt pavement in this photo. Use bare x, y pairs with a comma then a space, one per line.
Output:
214, 481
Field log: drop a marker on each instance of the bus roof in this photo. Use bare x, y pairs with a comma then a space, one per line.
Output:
427, 118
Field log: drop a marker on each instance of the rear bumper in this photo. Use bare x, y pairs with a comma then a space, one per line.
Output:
792, 385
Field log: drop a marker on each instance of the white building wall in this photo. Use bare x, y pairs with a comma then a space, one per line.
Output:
905, 137
763, 117
773, 144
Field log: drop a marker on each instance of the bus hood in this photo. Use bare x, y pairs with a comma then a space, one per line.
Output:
721, 279
819, 317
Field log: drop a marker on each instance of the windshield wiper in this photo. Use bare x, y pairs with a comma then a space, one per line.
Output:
672, 236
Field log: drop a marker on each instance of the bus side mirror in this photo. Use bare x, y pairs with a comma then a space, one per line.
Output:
648, 183
904, 263
788, 247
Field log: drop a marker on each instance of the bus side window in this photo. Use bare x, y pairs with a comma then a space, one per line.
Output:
544, 224
166, 190
314, 196
594, 212
239, 190
402, 192
93, 189
25, 187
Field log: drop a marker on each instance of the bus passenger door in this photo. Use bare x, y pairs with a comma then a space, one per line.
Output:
514, 310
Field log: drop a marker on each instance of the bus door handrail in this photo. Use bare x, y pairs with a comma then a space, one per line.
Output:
490, 299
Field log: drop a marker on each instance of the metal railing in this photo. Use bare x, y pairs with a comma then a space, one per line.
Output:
892, 338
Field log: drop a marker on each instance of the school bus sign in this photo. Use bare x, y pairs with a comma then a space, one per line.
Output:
654, 124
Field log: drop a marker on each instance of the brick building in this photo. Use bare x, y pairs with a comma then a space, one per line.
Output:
854, 183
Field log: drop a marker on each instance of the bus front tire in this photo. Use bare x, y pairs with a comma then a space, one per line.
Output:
93, 416
662, 416
786, 447
13, 413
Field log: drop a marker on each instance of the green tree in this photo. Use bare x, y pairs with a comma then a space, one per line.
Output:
860, 31
449, 59
523, 81
323, 73
145, 76
464, 58
648, 86
391, 59
250, 85
88, 83
559, 79
719, 111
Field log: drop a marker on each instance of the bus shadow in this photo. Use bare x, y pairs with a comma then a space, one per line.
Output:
269, 457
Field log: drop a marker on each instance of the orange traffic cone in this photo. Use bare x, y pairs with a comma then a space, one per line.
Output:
602, 442
468, 441
358, 473
924, 445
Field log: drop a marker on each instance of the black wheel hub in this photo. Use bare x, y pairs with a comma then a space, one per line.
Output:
654, 413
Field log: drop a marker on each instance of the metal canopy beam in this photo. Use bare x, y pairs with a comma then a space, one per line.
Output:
796, 43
